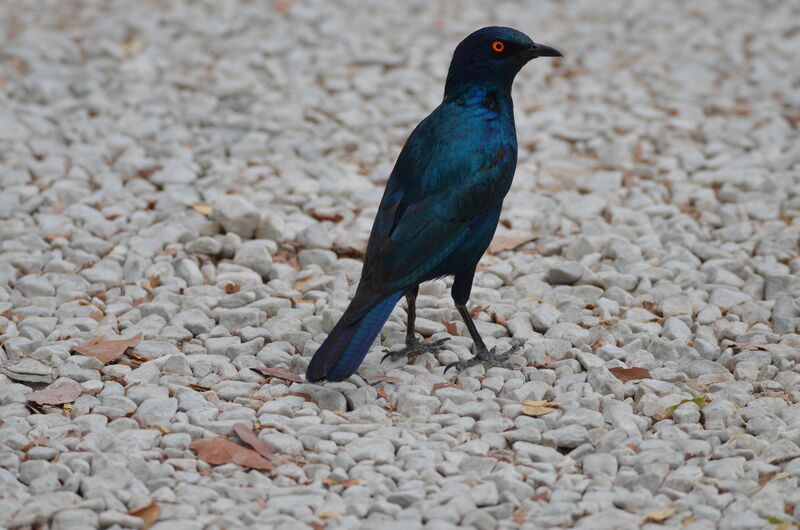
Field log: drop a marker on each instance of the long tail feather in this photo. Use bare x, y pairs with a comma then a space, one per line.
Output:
347, 344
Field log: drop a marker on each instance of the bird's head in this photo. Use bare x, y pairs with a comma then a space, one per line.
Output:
493, 55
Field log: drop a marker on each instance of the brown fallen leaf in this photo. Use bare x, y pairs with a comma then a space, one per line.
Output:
766, 477
629, 374
149, 515
246, 435
445, 384
218, 450
53, 237
501, 243
279, 372
519, 517
749, 346
107, 350
329, 515
659, 516
203, 208
320, 216
499, 319
58, 394
344, 483
382, 393
475, 311
231, 288
317, 526
538, 408
451, 327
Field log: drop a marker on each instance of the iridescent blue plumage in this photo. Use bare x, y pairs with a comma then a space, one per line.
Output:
443, 199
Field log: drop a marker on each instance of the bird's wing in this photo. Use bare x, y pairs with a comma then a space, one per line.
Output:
445, 181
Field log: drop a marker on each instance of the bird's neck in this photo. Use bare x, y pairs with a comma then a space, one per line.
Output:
483, 94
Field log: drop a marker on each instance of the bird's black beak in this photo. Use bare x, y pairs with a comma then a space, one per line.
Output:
540, 50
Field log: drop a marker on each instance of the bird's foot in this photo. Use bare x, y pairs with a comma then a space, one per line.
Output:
489, 358
415, 348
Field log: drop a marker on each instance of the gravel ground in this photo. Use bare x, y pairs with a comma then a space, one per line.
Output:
205, 173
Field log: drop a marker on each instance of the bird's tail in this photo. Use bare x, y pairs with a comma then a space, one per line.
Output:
348, 343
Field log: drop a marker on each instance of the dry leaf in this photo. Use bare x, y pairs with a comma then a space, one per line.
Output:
382, 393
498, 319
538, 408
107, 350
385, 379
231, 288
451, 327
766, 478
279, 372
476, 310
501, 243
446, 384
519, 517
298, 285
329, 515
217, 451
629, 374
63, 392
749, 346
203, 208
149, 515
319, 216
659, 516
199, 388
245, 434
317, 526
343, 483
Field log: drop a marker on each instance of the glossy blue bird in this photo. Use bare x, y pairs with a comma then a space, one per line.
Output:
441, 205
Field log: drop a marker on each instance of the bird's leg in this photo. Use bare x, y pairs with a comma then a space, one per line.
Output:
461, 289
482, 355
413, 346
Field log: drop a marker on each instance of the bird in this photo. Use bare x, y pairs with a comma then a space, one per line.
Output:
441, 205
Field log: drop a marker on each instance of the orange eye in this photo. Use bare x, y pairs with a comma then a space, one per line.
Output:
498, 46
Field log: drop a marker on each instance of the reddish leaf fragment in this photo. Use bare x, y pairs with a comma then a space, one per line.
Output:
107, 350
451, 327
519, 517
501, 243
279, 372
629, 374
344, 483
475, 311
217, 451
231, 288
246, 435
149, 515
446, 384
58, 394
499, 319
382, 393
320, 216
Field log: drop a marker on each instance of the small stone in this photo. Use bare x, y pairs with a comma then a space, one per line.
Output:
29, 370
543, 317
236, 215
254, 255
157, 411
565, 273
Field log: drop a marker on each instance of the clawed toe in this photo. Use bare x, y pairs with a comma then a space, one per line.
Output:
415, 349
487, 357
